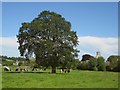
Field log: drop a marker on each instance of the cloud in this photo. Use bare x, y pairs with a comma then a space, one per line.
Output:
8, 41
87, 45
9, 46
90, 44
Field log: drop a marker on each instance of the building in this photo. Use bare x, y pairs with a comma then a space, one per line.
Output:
98, 54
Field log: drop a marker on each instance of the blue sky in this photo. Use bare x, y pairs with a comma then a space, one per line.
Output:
97, 23
94, 19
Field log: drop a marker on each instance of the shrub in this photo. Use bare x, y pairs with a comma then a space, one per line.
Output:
101, 64
93, 64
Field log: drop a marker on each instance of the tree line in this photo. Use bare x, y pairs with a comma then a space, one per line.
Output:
94, 64
4, 58
99, 64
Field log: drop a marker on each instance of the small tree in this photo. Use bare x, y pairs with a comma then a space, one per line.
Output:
83, 65
74, 63
93, 64
101, 64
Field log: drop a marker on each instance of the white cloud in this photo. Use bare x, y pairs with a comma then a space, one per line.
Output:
9, 46
87, 45
8, 41
107, 46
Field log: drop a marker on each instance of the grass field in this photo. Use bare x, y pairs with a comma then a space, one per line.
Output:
74, 79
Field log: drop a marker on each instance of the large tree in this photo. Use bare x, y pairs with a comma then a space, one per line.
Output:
50, 38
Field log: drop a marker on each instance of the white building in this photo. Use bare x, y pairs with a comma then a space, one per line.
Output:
98, 54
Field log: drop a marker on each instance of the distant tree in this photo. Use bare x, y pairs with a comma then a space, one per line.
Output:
93, 64
118, 65
3, 58
101, 64
68, 62
79, 65
113, 63
86, 57
50, 38
83, 65
74, 64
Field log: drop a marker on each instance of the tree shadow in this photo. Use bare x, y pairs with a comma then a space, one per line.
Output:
24, 72
58, 73
34, 72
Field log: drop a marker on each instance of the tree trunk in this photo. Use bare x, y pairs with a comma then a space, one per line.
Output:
39, 59
53, 69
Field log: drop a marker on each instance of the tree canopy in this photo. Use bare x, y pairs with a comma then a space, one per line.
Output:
86, 57
50, 38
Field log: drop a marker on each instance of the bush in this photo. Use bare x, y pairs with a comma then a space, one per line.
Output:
83, 65
113, 63
7, 63
95, 69
93, 64
101, 64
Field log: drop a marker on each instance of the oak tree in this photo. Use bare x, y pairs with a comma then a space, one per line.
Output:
50, 38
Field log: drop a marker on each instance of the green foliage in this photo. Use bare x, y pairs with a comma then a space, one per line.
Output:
118, 66
73, 64
50, 38
7, 63
101, 64
113, 63
93, 64
3, 58
86, 57
83, 65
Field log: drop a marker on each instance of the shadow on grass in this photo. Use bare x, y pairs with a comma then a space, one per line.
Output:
33, 72
25, 72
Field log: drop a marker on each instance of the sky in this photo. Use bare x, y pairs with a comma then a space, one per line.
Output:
96, 24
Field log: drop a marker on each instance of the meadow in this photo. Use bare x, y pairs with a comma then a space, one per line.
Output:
74, 79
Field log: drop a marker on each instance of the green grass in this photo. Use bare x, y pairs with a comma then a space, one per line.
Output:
75, 79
